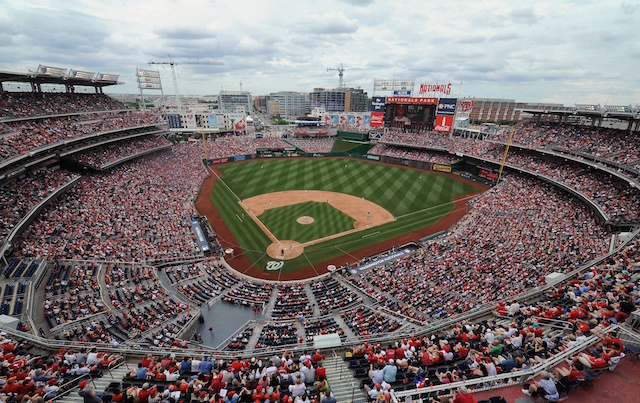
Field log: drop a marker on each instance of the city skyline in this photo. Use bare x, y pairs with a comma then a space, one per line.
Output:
555, 52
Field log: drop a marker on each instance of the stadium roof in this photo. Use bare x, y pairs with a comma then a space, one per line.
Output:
47, 75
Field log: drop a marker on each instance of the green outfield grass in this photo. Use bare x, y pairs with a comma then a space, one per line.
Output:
327, 221
416, 198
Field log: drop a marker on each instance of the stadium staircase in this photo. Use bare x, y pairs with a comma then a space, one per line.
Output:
342, 383
113, 375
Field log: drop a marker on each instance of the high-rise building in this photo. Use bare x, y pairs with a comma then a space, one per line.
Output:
260, 103
340, 99
288, 104
235, 101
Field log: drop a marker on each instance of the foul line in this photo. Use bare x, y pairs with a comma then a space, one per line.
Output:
239, 217
371, 234
437, 206
253, 216
346, 253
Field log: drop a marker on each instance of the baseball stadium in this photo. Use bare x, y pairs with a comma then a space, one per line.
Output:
413, 245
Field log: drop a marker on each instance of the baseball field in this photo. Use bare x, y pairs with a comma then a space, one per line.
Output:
288, 214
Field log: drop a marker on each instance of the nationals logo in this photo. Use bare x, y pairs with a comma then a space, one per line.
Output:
466, 105
273, 265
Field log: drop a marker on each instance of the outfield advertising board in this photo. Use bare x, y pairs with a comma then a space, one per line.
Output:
441, 168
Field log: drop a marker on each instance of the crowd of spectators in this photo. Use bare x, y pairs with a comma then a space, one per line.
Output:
26, 375
313, 145
513, 236
250, 294
330, 296
32, 134
19, 196
619, 201
141, 304
281, 378
72, 292
277, 334
25, 104
414, 154
365, 322
100, 156
135, 212
291, 302
612, 145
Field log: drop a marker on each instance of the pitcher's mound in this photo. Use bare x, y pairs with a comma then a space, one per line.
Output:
305, 220
291, 249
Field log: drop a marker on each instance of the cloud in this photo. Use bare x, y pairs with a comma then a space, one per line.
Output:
498, 49
359, 3
524, 16
329, 23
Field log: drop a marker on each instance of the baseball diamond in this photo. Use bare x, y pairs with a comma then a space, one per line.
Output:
398, 200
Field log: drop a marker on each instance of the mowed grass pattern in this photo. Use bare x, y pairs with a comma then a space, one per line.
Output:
417, 198
327, 221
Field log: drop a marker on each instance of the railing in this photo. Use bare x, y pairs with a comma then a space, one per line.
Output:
501, 380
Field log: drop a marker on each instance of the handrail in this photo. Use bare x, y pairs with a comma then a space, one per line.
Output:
495, 381
71, 386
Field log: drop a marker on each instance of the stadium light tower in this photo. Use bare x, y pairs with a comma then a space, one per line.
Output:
173, 63
340, 69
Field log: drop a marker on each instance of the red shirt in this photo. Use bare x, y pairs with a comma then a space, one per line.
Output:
464, 399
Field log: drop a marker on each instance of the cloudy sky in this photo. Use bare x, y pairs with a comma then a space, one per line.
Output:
534, 51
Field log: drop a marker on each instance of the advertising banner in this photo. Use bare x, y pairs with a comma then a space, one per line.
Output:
237, 120
446, 106
443, 124
377, 103
343, 120
402, 93
377, 119
335, 120
202, 241
487, 174
412, 100
441, 168
190, 120
213, 121
366, 121
351, 120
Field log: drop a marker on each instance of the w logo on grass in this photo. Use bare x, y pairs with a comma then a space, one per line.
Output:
272, 265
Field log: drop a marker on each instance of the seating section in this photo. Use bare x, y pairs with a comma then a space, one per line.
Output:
363, 321
72, 292
99, 157
30, 135
291, 302
18, 197
332, 296
135, 212
313, 145
275, 334
249, 294
15, 105
413, 154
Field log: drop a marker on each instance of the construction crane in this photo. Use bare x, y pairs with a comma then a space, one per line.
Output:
173, 63
340, 69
